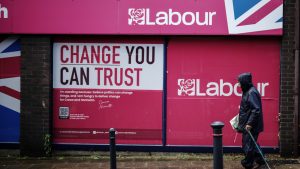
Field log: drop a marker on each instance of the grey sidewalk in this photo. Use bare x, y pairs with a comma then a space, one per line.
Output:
133, 160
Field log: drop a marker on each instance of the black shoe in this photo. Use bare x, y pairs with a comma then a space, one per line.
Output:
260, 162
246, 166
257, 166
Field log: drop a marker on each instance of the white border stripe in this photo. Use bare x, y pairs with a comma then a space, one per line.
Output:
10, 54
10, 102
13, 83
230, 16
7, 42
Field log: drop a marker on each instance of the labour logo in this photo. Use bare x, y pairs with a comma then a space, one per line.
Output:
246, 16
186, 87
136, 16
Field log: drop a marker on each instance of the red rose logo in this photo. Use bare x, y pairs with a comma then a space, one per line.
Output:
187, 87
137, 16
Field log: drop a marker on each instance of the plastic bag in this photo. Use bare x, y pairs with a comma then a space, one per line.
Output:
235, 122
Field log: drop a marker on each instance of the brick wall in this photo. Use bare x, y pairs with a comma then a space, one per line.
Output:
36, 88
288, 133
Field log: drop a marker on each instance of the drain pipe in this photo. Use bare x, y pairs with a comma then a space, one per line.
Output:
296, 103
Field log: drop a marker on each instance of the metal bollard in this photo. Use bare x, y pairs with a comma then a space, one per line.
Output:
112, 148
218, 145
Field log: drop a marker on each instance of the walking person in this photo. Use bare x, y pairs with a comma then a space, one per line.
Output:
250, 120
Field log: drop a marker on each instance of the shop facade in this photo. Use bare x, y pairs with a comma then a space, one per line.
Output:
158, 72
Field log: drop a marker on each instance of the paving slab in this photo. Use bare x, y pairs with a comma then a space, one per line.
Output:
135, 160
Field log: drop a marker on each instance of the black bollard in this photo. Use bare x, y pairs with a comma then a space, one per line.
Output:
112, 148
218, 145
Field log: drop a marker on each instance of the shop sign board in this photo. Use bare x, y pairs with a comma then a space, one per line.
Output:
147, 17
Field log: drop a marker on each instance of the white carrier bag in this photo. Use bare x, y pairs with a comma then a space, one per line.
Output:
234, 122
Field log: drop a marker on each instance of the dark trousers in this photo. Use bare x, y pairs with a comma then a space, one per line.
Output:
251, 153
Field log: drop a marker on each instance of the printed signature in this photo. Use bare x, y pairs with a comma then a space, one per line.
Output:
104, 104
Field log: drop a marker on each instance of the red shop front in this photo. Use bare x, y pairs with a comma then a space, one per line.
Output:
165, 89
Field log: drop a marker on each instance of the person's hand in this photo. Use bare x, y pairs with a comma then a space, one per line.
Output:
248, 127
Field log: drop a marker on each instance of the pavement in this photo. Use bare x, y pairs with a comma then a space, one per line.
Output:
133, 160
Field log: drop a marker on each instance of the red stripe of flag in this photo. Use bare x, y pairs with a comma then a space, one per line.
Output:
261, 13
10, 67
10, 92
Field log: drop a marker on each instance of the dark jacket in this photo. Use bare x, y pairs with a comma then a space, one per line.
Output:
250, 107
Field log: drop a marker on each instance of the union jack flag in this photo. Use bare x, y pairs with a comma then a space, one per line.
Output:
247, 16
9, 89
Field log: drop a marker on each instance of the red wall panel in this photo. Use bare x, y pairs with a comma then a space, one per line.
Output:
202, 86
